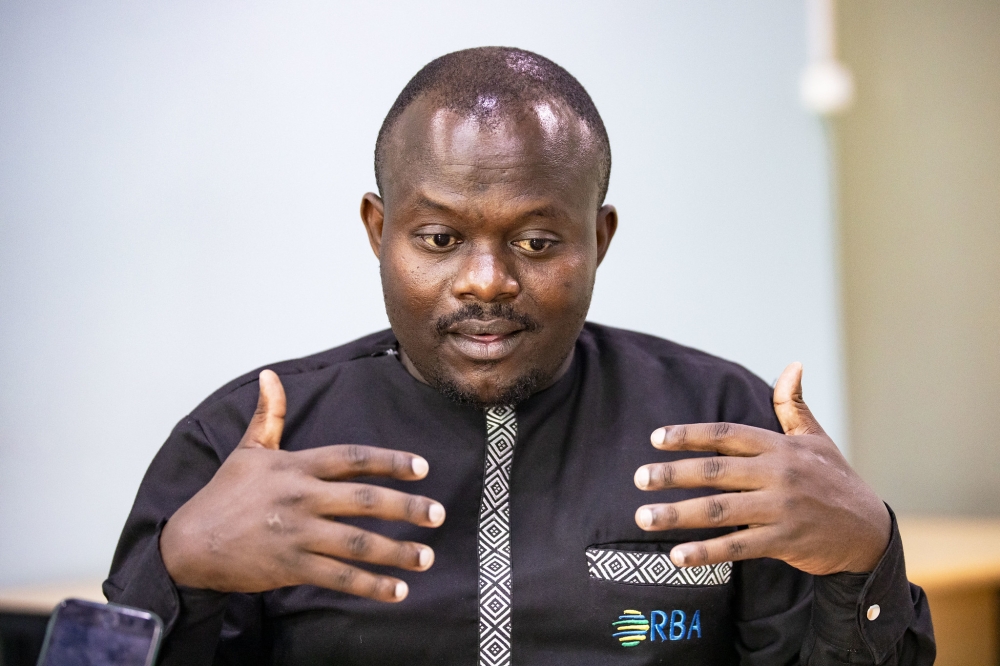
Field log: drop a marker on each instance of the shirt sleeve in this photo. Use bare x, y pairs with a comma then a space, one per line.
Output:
193, 619
877, 618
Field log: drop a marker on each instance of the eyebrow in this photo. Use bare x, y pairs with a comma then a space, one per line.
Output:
424, 202
541, 211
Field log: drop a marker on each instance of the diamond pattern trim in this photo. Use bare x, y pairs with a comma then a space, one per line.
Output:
494, 539
644, 568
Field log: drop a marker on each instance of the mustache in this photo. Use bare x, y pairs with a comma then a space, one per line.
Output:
477, 312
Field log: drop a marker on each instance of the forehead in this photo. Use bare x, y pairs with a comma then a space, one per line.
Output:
540, 149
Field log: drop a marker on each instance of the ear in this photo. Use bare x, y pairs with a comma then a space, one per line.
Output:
607, 224
373, 215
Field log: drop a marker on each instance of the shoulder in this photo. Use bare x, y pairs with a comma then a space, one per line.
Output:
302, 368
719, 389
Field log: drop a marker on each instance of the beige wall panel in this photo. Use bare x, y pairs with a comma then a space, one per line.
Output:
919, 181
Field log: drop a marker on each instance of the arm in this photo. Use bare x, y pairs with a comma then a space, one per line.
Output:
804, 505
847, 627
205, 536
138, 577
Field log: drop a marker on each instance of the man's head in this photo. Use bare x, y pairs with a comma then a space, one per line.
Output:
492, 168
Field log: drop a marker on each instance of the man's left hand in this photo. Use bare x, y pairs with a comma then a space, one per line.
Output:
801, 500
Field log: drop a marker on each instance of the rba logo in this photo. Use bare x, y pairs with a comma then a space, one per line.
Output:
632, 627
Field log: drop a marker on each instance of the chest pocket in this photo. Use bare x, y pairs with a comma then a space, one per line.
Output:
636, 567
644, 609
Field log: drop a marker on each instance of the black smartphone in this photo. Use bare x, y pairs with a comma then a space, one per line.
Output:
85, 633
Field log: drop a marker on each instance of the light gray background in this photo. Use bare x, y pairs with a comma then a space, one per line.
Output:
179, 186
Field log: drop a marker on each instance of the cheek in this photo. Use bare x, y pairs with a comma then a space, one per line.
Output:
412, 287
563, 286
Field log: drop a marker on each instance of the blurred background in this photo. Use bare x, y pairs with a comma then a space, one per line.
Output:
179, 187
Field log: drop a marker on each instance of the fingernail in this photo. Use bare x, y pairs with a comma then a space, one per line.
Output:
658, 437
677, 557
426, 558
419, 466
642, 477
402, 589
644, 517
435, 514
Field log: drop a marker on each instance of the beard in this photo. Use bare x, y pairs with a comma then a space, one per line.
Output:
507, 396
516, 391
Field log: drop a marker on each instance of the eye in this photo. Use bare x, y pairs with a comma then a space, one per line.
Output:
534, 245
440, 241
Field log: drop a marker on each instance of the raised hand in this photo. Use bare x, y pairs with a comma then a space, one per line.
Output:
801, 500
267, 517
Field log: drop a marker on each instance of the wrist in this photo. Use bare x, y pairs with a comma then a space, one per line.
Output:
876, 546
175, 559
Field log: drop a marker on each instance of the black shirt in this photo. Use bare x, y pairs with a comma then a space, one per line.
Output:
579, 562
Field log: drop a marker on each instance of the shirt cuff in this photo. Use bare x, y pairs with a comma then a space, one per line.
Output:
146, 584
866, 612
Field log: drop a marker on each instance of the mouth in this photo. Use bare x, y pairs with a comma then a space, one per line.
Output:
490, 340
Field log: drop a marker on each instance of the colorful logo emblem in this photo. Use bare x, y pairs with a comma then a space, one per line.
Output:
631, 628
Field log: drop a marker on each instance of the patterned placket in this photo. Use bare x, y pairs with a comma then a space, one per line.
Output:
494, 539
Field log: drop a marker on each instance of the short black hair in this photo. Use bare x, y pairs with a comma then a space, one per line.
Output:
508, 77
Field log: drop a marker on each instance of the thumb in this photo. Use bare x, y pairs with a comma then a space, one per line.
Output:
791, 409
269, 418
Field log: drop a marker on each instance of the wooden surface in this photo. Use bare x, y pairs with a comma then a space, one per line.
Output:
41, 599
951, 553
957, 562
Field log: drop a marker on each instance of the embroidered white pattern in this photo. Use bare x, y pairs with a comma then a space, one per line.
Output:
494, 539
645, 568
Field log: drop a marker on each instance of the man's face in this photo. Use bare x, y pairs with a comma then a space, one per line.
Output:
489, 239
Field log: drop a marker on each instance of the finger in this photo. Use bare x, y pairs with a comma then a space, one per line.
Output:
359, 499
326, 537
723, 510
333, 575
741, 545
269, 418
344, 461
791, 409
722, 472
731, 439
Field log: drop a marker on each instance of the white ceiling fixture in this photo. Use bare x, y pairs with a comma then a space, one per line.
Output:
827, 86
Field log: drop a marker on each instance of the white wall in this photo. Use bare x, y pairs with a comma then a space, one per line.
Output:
179, 185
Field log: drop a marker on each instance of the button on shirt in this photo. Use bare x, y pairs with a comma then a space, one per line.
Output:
540, 560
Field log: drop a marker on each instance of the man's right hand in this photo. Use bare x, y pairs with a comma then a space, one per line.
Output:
267, 518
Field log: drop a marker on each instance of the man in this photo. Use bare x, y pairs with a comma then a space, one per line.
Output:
289, 507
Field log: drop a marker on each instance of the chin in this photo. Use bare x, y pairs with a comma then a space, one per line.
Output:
493, 395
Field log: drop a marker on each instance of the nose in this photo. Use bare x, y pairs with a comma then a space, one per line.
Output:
485, 276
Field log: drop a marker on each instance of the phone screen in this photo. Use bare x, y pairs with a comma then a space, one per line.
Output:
84, 633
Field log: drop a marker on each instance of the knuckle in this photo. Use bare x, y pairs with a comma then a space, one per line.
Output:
358, 545
381, 588
668, 516
713, 468
702, 553
343, 579
716, 510
413, 508
406, 555
791, 475
366, 497
289, 558
736, 549
720, 431
358, 457
664, 475
292, 497
677, 435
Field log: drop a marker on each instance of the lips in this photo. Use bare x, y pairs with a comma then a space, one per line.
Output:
489, 340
